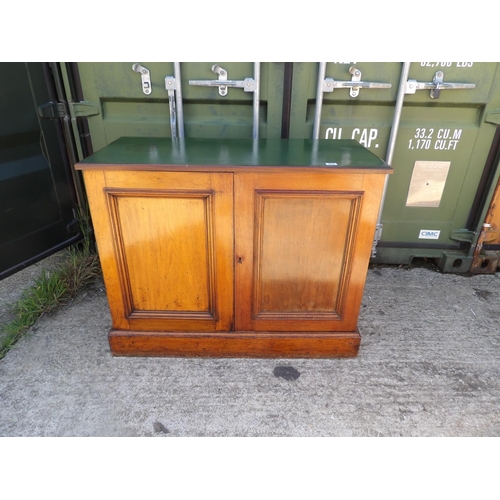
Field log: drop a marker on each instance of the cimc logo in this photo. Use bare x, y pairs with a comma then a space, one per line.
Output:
429, 234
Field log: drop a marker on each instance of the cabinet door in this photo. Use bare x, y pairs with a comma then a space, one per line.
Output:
166, 244
303, 244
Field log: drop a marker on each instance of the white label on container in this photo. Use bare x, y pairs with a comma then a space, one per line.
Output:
429, 234
427, 183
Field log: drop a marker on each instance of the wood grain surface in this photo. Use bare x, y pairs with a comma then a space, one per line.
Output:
166, 248
235, 344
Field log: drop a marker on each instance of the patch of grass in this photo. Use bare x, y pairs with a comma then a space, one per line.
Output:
50, 290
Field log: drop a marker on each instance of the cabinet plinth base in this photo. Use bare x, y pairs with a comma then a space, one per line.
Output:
235, 344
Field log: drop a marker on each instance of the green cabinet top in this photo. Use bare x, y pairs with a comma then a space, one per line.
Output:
167, 152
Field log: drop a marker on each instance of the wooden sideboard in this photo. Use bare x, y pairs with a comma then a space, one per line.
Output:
234, 248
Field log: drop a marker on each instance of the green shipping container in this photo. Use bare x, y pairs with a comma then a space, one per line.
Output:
436, 123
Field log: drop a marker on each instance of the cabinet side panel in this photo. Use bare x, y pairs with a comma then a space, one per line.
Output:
95, 185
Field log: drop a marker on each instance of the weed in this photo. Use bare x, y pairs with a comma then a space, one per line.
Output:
80, 267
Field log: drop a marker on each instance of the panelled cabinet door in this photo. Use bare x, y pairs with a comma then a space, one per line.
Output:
166, 245
302, 249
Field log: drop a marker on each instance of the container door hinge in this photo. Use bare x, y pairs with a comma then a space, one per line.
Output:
54, 110
462, 235
329, 84
436, 85
493, 116
248, 84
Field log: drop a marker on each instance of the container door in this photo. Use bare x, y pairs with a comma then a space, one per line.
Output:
441, 151
36, 189
139, 104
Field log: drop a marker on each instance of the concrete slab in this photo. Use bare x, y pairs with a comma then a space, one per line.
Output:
428, 366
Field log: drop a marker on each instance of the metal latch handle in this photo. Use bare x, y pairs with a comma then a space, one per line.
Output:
436, 85
248, 84
145, 77
329, 84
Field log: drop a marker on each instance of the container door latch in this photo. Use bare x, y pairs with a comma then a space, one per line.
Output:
436, 85
248, 84
355, 84
145, 77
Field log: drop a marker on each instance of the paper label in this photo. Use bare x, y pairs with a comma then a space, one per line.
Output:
427, 183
